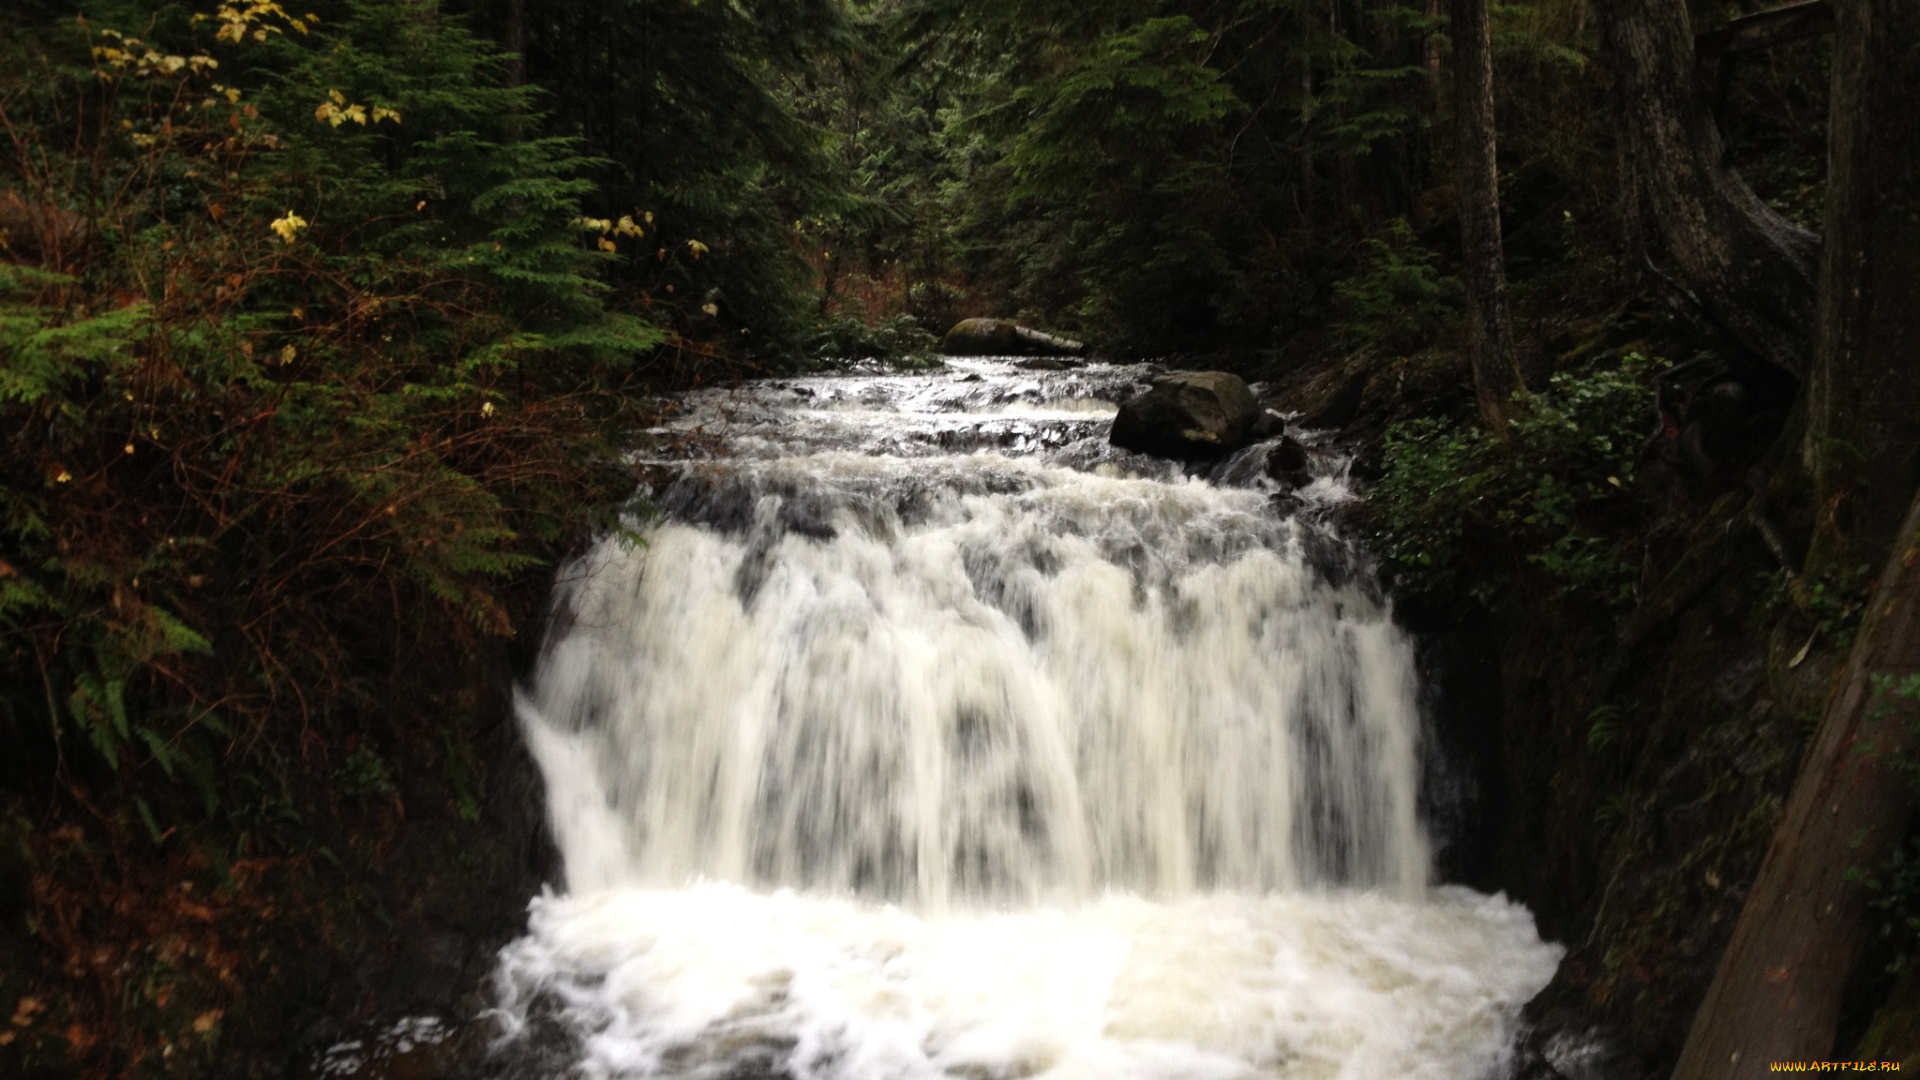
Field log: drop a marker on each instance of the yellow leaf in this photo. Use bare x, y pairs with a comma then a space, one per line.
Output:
287, 353
605, 244
357, 114
325, 112
289, 226
696, 247
337, 96
206, 1021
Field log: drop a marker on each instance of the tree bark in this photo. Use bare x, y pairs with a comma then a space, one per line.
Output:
1863, 392
1496, 367
1750, 268
516, 42
1776, 993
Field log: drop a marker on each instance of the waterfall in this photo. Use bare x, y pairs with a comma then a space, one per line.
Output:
874, 758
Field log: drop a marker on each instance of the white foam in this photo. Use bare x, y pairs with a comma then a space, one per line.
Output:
1080, 684
1352, 986
881, 767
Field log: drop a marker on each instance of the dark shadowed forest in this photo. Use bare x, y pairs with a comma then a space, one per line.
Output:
326, 329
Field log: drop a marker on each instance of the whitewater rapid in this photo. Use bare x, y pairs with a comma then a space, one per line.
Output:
922, 736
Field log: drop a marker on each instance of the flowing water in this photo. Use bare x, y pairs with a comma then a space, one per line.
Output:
923, 735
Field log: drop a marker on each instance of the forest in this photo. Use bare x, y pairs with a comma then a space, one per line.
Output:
326, 329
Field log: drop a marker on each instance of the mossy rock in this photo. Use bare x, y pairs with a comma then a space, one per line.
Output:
1004, 337
1190, 415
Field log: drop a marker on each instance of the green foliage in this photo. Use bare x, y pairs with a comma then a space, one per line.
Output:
363, 776
327, 348
1398, 298
1894, 885
1117, 113
1150, 174
1603, 727
1895, 902
699, 115
1835, 599
1457, 508
898, 340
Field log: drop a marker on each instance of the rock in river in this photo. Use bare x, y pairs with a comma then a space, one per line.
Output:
1188, 414
1003, 337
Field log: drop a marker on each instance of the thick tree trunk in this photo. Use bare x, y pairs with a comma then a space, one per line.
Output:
1863, 392
1751, 268
1496, 367
1776, 995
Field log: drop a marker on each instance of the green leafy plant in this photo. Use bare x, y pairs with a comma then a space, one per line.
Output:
1894, 888
898, 340
1453, 499
364, 775
1894, 885
305, 366
1835, 599
1398, 296
1603, 727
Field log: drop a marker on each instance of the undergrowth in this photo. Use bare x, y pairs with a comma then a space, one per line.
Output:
1457, 508
304, 362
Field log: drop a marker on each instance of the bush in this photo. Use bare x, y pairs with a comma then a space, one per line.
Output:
1456, 508
325, 367
304, 363
1397, 297
899, 341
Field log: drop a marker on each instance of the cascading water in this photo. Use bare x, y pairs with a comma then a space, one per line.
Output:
923, 736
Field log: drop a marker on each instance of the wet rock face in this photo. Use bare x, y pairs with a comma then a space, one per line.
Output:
1003, 337
1189, 415
1288, 464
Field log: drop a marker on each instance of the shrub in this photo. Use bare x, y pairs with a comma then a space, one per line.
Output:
328, 360
1456, 508
899, 341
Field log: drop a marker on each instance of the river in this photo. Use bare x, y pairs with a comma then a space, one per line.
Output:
920, 734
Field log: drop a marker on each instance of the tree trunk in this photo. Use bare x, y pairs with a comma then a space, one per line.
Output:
1863, 392
516, 42
1776, 995
1496, 368
1751, 269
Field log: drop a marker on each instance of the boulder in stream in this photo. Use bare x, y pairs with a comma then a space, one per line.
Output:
1188, 415
1289, 464
1004, 337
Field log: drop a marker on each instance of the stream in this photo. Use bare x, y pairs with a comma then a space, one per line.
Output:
920, 734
